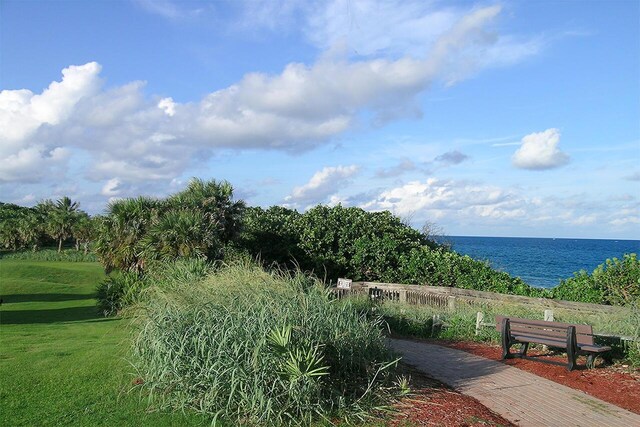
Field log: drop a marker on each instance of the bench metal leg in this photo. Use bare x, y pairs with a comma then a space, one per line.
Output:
591, 360
572, 347
506, 338
523, 349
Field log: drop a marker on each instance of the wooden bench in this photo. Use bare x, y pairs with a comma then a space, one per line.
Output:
576, 339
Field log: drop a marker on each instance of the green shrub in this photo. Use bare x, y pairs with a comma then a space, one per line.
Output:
273, 236
117, 291
442, 267
120, 290
371, 246
258, 348
616, 282
52, 255
351, 242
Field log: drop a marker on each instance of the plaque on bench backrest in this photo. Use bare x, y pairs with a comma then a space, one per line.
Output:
344, 283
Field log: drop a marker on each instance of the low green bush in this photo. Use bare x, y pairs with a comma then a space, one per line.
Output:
117, 291
123, 289
256, 348
443, 267
616, 282
51, 255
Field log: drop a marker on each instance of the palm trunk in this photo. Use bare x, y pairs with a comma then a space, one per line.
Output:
77, 245
86, 247
60, 245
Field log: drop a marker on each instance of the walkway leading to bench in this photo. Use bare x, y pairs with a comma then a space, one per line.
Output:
520, 397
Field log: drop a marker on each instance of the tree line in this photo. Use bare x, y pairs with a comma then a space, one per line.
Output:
46, 224
205, 222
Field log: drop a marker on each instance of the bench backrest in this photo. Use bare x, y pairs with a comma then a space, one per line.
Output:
544, 329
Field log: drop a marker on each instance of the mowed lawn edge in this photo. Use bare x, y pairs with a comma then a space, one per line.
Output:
61, 362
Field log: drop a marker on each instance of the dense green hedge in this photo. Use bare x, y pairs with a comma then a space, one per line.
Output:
615, 282
371, 246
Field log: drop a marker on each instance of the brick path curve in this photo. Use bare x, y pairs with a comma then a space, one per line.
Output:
523, 398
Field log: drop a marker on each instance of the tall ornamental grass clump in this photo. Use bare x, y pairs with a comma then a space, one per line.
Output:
257, 348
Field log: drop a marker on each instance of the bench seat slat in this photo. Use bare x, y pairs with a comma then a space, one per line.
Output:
539, 331
539, 340
558, 343
595, 348
582, 339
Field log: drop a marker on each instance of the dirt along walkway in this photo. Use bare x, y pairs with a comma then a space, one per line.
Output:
518, 396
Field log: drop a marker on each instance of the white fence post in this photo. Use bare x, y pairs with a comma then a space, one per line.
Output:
548, 317
434, 321
479, 321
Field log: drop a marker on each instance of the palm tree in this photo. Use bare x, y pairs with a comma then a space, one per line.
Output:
215, 200
119, 233
30, 228
182, 233
193, 223
61, 220
9, 236
84, 231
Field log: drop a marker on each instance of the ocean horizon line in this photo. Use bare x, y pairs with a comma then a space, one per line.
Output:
538, 237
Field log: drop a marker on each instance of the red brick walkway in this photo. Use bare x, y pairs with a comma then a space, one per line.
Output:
521, 397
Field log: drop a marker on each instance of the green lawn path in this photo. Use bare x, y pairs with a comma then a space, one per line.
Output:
61, 362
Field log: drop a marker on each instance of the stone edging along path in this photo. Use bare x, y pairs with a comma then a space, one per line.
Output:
523, 398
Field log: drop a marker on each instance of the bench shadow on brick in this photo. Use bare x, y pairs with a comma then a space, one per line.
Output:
575, 339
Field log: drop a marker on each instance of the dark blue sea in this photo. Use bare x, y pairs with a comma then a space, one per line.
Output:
542, 262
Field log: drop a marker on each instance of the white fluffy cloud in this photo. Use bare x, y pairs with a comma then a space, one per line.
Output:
540, 151
439, 198
23, 157
323, 184
120, 132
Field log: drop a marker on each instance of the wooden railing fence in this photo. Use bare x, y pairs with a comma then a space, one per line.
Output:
444, 296
450, 297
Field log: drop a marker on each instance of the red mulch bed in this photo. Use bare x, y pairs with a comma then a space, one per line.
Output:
432, 403
617, 385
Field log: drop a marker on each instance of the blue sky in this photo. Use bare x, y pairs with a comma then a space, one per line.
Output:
499, 119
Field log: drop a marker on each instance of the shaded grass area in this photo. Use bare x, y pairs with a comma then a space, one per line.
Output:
61, 363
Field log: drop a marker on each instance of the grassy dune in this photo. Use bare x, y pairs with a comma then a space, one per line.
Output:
61, 363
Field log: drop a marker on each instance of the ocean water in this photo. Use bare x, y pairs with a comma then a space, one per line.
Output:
542, 262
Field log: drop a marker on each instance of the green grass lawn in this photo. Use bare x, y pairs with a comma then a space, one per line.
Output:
61, 362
